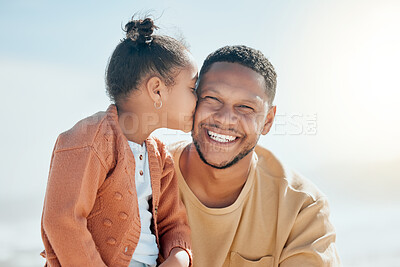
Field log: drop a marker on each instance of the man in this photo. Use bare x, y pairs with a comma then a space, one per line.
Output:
244, 207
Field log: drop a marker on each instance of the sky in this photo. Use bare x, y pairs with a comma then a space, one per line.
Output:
337, 97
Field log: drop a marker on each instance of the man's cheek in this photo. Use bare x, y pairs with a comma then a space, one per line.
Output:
248, 125
200, 115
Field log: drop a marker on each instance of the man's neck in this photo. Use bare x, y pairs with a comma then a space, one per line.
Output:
215, 188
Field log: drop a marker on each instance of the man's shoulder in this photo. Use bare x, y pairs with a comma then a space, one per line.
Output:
177, 147
271, 167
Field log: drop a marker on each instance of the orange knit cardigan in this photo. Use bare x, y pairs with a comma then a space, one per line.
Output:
90, 214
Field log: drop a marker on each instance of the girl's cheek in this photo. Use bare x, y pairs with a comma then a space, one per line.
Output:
195, 101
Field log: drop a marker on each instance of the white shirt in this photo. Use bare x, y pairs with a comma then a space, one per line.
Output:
146, 250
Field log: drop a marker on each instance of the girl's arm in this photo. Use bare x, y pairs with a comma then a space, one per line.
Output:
173, 226
74, 178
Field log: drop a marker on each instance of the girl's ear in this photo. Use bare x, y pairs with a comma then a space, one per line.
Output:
269, 120
156, 89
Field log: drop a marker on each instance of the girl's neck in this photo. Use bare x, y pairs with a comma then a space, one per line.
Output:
137, 121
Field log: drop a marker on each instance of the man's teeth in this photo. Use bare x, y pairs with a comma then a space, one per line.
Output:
220, 137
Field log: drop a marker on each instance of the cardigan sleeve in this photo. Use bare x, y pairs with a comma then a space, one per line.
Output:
75, 175
172, 220
312, 239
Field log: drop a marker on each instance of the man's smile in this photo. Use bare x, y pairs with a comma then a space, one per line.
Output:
220, 137
217, 136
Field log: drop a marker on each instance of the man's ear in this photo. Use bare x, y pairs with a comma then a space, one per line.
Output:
156, 89
269, 120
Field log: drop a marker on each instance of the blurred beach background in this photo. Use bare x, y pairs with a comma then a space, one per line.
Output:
337, 101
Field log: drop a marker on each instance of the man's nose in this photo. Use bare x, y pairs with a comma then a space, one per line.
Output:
226, 116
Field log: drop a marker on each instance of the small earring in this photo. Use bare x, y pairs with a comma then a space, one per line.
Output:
156, 106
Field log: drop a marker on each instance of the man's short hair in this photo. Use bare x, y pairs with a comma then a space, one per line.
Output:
248, 57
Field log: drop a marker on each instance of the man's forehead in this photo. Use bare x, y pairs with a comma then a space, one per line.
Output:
232, 71
229, 66
235, 77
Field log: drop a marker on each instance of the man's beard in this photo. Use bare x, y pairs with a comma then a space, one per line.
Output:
224, 165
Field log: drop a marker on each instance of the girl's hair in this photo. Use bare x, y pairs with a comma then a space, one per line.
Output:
140, 55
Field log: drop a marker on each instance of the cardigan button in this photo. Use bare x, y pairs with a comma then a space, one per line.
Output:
111, 241
118, 196
107, 222
123, 215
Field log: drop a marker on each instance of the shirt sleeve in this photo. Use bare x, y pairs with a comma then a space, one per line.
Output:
172, 222
311, 241
74, 178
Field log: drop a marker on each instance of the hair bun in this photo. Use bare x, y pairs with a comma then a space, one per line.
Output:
140, 30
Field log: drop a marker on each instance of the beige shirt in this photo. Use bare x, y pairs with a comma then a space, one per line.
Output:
279, 219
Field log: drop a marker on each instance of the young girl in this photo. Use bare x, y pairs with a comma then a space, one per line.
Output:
112, 196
